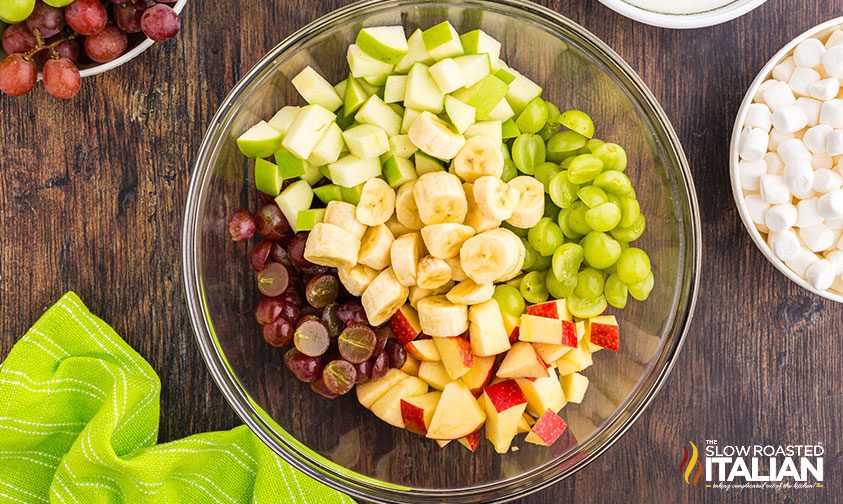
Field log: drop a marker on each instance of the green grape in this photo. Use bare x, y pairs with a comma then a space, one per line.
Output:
505, 151
530, 257
519, 232
586, 308
533, 288
566, 163
616, 291
566, 261
15, 11
612, 155
552, 125
542, 263
630, 210
562, 192
603, 217
590, 284
557, 289
562, 220
584, 168
633, 265
592, 196
593, 144
533, 118
545, 237
550, 210
614, 182
510, 300
641, 290
528, 152
578, 121
600, 250
563, 144
509, 171
576, 218
631, 233
544, 172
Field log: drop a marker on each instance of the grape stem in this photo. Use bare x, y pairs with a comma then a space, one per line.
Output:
40, 45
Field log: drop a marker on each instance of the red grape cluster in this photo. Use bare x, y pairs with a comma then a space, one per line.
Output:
86, 31
305, 305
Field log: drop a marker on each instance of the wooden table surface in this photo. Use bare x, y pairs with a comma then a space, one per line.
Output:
91, 196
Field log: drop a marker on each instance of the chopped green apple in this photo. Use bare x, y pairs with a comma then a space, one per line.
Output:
502, 112
328, 193
384, 43
296, 198
442, 41
352, 194
410, 115
309, 218
259, 141
426, 164
316, 90
307, 129
352, 170
509, 130
366, 141
289, 166
329, 148
416, 53
422, 91
282, 119
489, 129
474, 67
402, 146
344, 121
371, 89
507, 75
312, 174
398, 171
340, 86
362, 65
355, 96
521, 92
378, 113
395, 88
378, 81
398, 110
448, 75
479, 42
484, 96
268, 179
460, 114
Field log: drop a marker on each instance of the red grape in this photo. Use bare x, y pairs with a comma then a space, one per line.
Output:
86, 17
279, 255
380, 365
46, 19
356, 343
18, 39
352, 312
61, 78
332, 321
322, 290
339, 376
272, 224
128, 15
305, 368
318, 386
18, 75
68, 49
290, 311
273, 280
278, 333
259, 254
269, 309
107, 44
291, 295
311, 338
160, 22
383, 337
396, 353
295, 250
242, 225
364, 371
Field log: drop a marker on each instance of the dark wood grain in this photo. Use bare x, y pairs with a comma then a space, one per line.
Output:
92, 193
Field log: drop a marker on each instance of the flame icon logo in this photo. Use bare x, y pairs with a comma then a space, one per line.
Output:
687, 466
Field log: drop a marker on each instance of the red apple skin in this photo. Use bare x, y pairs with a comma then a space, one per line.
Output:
504, 395
466, 355
549, 427
413, 418
402, 327
606, 336
569, 334
479, 390
513, 336
546, 310
472, 441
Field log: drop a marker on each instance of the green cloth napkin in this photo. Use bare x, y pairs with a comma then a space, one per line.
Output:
79, 421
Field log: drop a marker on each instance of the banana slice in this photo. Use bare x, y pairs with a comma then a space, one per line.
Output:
405, 206
496, 199
417, 293
475, 216
397, 228
457, 274
440, 198
332, 246
433, 273
469, 293
440, 317
344, 215
480, 156
383, 297
444, 240
530, 208
486, 256
435, 137
357, 278
517, 244
404, 256
377, 202
374, 247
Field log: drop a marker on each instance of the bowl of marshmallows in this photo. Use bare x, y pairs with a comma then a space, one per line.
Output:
787, 160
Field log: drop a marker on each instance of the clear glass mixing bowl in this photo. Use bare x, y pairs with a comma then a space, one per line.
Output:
340, 443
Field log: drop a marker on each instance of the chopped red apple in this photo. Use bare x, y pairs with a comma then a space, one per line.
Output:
557, 309
472, 441
547, 429
457, 415
405, 324
388, 407
411, 366
539, 329
418, 411
480, 374
434, 374
487, 330
423, 350
370, 392
576, 360
574, 385
456, 355
551, 353
504, 404
510, 324
522, 362
603, 332
443, 442
524, 423
542, 393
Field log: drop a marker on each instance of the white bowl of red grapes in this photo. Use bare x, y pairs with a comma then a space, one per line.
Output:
62, 41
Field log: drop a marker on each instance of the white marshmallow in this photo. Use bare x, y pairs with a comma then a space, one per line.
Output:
820, 274
780, 218
809, 53
811, 108
799, 175
789, 119
826, 180
818, 238
785, 69
840, 244
758, 115
808, 215
803, 260
777, 137
801, 78
753, 143
833, 61
759, 96
835, 257
774, 189
830, 205
778, 95
834, 142
825, 89
793, 149
822, 160
836, 38
757, 208
832, 112
835, 224
750, 172
815, 138
785, 245
775, 165
837, 286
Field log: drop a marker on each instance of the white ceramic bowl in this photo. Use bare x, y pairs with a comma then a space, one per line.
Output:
683, 21
737, 190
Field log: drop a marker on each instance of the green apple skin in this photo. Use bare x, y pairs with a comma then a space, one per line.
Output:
484, 95
398, 171
442, 41
312, 175
460, 114
268, 179
426, 164
352, 194
384, 43
309, 218
505, 75
289, 165
296, 198
354, 97
328, 193
509, 130
260, 141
